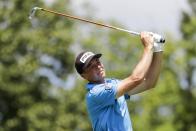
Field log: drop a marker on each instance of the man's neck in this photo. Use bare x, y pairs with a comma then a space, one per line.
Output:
98, 82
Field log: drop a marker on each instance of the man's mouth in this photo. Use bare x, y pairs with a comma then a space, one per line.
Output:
101, 71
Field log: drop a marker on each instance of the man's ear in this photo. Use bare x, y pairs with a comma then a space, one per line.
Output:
83, 75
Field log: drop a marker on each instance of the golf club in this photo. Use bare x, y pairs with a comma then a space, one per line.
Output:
157, 38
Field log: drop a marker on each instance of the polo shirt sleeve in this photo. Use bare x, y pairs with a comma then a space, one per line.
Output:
126, 95
105, 95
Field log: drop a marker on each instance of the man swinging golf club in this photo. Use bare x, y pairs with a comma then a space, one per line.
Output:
106, 97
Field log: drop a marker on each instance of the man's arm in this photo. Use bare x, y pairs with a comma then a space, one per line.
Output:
151, 76
141, 69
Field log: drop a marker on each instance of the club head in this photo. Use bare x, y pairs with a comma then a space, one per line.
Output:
32, 13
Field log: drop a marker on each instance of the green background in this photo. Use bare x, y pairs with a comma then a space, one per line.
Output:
35, 54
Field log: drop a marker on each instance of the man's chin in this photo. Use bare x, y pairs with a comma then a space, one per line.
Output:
102, 74
101, 77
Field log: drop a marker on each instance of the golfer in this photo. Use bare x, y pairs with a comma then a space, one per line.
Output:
106, 97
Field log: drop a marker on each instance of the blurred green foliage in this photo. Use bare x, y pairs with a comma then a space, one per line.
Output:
30, 101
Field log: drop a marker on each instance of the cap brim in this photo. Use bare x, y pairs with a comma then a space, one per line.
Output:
92, 57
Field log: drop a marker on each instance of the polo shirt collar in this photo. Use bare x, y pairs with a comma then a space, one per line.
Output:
90, 85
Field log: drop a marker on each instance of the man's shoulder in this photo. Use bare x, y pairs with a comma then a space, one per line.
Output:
112, 80
97, 89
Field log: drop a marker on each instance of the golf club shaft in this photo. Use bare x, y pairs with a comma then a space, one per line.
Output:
157, 38
88, 21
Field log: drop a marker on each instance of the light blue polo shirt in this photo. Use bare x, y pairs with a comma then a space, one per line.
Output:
106, 112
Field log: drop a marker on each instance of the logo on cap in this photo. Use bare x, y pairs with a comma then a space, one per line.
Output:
85, 56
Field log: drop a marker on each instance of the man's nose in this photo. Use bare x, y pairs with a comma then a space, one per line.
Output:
99, 65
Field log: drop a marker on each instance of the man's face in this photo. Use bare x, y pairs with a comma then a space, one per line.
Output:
95, 71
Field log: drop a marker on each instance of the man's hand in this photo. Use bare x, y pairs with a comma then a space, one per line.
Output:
158, 47
147, 39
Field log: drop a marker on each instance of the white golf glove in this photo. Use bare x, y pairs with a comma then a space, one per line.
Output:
158, 47
158, 44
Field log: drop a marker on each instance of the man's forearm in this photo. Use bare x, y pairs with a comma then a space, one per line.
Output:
138, 75
151, 76
154, 70
142, 67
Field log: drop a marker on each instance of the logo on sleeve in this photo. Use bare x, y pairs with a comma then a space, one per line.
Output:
96, 89
108, 86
